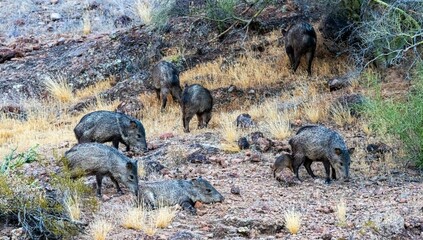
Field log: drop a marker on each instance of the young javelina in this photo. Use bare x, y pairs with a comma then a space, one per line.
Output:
182, 192
106, 126
300, 39
281, 162
244, 121
318, 143
196, 100
101, 160
166, 80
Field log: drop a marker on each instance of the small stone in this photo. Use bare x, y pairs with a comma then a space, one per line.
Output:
166, 136
255, 158
55, 16
231, 88
327, 236
198, 205
235, 190
54, 1
243, 143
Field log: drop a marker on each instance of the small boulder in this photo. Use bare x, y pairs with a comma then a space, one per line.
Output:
55, 16
243, 143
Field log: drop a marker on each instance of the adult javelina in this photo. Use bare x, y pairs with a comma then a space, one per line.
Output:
100, 160
106, 126
318, 143
300, 39
182, 192
166, 80
196, 100
281, 162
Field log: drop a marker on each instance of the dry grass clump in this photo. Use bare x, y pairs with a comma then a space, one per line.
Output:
341, 213
59, 88
144, 11
246, 71
100, 228
292, 221
155, 122
72, 203
96, 88
341, 115
164, 216
86, 24
133, 218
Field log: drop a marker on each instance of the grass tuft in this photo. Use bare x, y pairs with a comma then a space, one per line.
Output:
72, 204
341, 213
292, 221
164, 216
133, 218
100, 228
59, 89
144, 11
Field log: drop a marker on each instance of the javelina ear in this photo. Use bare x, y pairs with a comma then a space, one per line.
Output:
351, 150
338, 151
186, 85
129, 165
133, 124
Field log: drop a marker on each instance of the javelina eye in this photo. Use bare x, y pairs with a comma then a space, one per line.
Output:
131, 177
209, 190
138, 136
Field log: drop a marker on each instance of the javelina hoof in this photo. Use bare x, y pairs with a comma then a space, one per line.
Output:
328, 181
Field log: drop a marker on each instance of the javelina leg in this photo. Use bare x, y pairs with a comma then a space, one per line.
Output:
297, 58
307, 165
164, 93
189, 206
309, 57
119, 191
333, 173
327, 170
157, 93
115, 143
290, 53
200, 121
298, 160
99, 178
206, 118
186, 118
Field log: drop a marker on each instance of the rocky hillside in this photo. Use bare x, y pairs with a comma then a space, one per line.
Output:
243, 63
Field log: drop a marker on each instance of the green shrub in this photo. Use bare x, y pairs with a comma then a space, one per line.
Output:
14, 160
401, 119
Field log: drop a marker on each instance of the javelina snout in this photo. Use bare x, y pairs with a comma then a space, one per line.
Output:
283, 161
206, 192
300, 39
344, 161
101, 160
196, 100
106, 126
166, 80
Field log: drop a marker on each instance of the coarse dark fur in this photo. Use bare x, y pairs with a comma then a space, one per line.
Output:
196, 100
101, 160
166, 80
318, 143
115, 127
300, 39
182, 192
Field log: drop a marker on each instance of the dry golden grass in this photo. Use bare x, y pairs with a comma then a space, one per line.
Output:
341, 115
156, 122
341, 212
72, 203
150, 228
86, 24
164, 216
292, 221
96, 88
144, 11
133, 218
59, 88
366, 129
99, 229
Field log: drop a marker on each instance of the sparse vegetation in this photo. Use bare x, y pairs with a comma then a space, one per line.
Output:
292, 221
341, 213
164, 216
59, 88
402, 119
133, 218
100, 228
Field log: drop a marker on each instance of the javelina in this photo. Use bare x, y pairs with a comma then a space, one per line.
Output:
166, 80
106, 126
196, 100
182, 192
300, 39
100, 160
281, 162
318, 143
